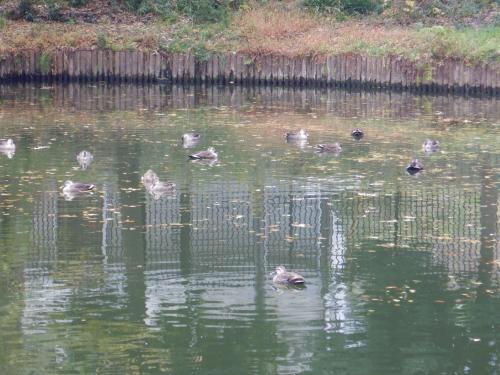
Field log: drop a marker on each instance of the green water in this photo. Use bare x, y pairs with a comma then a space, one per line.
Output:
403, 272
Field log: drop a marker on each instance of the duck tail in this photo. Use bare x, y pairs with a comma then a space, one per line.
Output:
298, 280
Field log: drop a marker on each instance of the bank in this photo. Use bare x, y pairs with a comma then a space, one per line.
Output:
272, 44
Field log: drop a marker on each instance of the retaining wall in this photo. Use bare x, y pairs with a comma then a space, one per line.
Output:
346, 70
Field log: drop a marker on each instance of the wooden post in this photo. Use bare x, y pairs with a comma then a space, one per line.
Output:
191, 68
110, 62
238, 68
140, 67
132, 65
158, 65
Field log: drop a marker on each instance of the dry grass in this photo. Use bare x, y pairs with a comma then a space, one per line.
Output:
17, 35
275, 29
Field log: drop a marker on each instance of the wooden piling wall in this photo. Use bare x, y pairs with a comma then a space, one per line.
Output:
347, 70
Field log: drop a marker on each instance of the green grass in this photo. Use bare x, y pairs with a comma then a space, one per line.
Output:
197, 39
472, 45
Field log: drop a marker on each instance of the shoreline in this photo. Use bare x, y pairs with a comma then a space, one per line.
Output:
342, 70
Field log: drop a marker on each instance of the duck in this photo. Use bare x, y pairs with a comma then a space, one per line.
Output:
84, 158
357, 133
430, 145
72, 187
159, 189
300, 135
282, 276
159, 186
414, 167
7, 145
208, 154
190, 137
329, 147
149, 178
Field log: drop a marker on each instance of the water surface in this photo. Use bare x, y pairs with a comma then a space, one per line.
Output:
402, 271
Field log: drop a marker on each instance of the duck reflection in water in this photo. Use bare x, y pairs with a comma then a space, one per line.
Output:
209, 162
301, 143
84, 159
8, 153
328, 148
7, 147
430, 146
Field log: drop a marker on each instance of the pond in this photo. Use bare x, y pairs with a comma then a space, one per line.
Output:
402, 271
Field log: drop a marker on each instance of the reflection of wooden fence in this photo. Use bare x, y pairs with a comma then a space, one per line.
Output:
112, 244
44, 227
162, 233
347, 70
292, 225
443, 222
221, 224
214, 227
343, 103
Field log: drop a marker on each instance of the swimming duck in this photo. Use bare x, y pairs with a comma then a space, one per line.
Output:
84, 158
300, 135
414, 167
71, 187
159, 187
329, 147
209, 154
7, 145
282, 276
430, 145
357, 133
149, 178
190, 137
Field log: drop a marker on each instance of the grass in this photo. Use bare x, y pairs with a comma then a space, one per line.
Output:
260, 28
473, 45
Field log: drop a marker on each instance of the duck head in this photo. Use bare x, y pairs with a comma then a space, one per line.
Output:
280, 269
303, 133
66, 184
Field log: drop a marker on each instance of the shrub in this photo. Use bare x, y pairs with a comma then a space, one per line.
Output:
53, 10
77, 3
198, 10
102, 41
344, 6
459, 12
26, 11
45, 62
204, 10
